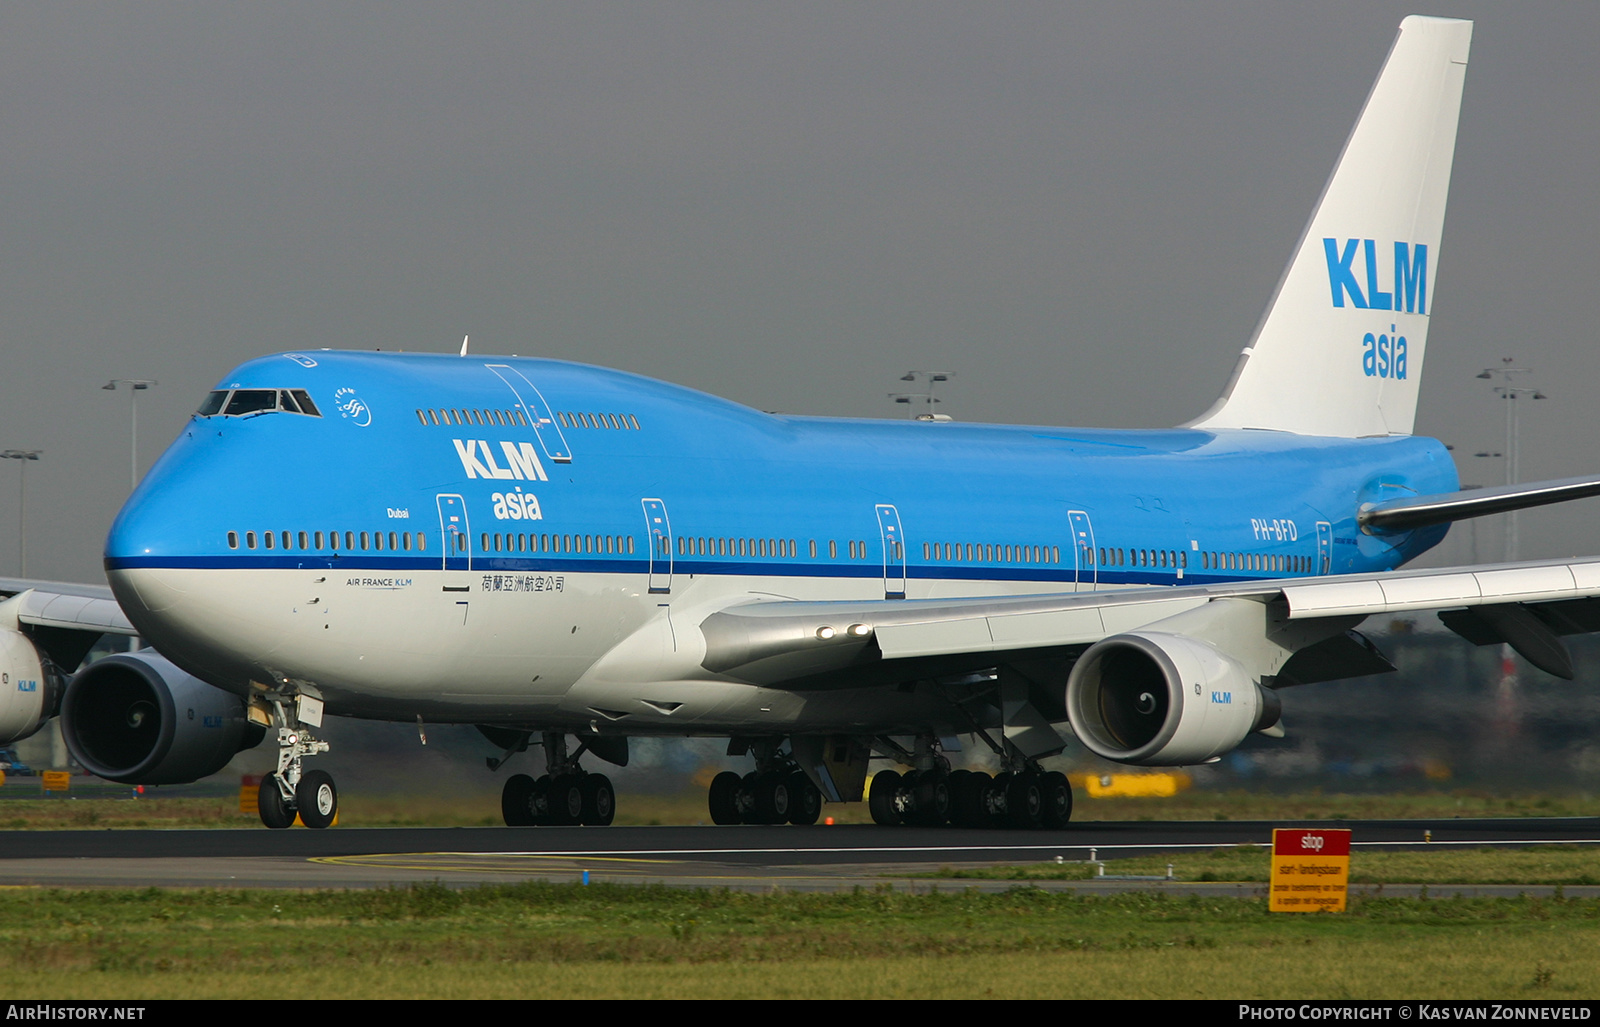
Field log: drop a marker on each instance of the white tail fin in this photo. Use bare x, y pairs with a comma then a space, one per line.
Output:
1339, 350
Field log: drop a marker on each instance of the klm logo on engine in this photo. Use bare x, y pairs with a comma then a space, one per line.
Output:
1223, 698
1407, 276
522, 463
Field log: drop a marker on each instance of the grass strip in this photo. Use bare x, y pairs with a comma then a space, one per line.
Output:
570, 941
1543, 864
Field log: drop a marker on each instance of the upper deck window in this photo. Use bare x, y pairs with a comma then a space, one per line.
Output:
239, 402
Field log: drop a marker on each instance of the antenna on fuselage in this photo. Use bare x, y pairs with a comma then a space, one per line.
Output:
464, 340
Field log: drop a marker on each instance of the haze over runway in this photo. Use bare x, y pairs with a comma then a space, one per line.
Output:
1080, 212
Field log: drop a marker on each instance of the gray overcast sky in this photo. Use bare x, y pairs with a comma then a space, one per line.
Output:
1080, 208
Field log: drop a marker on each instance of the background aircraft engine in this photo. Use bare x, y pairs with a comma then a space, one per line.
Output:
29, 688
138, 719
1156, 699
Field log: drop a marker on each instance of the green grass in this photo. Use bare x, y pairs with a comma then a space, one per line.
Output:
20, 809
1544, 864
571, 941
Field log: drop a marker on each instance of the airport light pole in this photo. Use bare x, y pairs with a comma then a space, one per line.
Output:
1511, 393
909, 398
135, 386
1472, 522
22, 456
932, 378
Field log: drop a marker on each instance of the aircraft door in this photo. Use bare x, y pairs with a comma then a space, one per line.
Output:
658, 538
1083, 551
455, 543
538, 412
894, 552
1324, 547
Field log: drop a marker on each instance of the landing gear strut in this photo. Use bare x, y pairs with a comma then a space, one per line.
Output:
564, 794
291, 790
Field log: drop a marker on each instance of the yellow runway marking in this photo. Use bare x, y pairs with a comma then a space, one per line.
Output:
492, 862
469, 863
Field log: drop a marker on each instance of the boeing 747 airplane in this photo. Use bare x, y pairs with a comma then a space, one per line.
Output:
569, 557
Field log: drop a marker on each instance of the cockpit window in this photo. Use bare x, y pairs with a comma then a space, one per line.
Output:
250, 401
238, 402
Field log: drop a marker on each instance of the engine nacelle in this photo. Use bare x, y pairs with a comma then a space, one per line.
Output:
138, 719
1163, 700
29, 687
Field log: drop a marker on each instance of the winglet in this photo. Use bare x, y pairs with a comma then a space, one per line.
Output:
1339, 350
464, 340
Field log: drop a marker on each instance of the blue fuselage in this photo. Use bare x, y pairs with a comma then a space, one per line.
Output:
726, 472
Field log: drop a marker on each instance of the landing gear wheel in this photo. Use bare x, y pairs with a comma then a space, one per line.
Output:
805, 801
566, 799
880, 800
599, 800
724, 798
539, 801
995, 798
749, 813
905, 806
968, 799
1024, 803
515, 798
931, 799
1056, 794
275, 813
772, 799
317, 799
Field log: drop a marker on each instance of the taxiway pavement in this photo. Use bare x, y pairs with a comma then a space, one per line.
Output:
746, 858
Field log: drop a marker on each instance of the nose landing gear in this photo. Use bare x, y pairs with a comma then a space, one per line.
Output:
290, 790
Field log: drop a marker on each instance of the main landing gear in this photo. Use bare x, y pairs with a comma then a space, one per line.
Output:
291, 790
1022, 796
776, 792
564, 794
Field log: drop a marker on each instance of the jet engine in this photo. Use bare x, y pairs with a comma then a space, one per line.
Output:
29, 687
1156, 699
138, 719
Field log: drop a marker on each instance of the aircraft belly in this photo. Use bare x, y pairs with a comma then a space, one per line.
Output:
581, 648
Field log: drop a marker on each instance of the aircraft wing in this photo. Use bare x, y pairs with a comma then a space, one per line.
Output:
64, 618
839, 644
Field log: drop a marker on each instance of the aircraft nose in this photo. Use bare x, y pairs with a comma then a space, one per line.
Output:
159, 533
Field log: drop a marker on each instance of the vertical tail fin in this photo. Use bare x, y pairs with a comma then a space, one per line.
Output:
1339, 350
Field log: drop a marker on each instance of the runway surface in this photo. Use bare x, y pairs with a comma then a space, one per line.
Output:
755, 858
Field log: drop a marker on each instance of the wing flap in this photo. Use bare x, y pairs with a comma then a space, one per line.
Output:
1547, 581
1421, 593
935, 638
68, 608
77, 613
